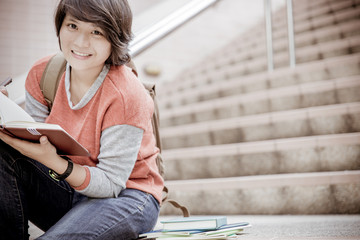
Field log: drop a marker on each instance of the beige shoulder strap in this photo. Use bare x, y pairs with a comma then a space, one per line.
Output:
51, 77
174, 203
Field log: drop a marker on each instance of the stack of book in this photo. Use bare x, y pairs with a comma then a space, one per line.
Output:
196, 228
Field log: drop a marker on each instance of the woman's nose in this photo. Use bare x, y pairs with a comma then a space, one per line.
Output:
82, 40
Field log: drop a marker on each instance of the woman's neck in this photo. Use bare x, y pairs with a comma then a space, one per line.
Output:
80, 82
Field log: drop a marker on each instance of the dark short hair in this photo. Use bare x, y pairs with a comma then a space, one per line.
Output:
114, 17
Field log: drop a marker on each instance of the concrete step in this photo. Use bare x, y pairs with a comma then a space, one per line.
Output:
312, 10
307, 38
302, 6
324, 20
320, 93
318, 51
330, 119
244, 43
337, 12
219, 86
304, 39
332, 152
296, 193
203, 89
313, 13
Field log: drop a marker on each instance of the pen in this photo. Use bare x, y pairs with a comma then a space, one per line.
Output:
6, 82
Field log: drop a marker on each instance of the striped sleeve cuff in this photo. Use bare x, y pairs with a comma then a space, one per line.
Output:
86, 181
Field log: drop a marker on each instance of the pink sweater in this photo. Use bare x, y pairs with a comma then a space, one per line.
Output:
120, 100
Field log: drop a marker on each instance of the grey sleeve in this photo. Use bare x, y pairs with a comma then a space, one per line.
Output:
37, 111
119, 147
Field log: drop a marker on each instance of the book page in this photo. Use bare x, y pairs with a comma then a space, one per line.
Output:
27, 124
10, 111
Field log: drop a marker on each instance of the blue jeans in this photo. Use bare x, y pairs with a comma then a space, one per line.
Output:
27, 192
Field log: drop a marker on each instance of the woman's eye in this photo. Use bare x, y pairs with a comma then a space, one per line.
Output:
96, 32
72, 26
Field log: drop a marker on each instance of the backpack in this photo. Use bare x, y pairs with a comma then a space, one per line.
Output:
50, 81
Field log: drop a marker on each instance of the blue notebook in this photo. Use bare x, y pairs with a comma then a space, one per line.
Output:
194, 223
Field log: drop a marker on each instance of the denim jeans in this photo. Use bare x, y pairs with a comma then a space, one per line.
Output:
27, 192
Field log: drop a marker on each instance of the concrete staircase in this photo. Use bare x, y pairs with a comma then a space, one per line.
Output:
240, 140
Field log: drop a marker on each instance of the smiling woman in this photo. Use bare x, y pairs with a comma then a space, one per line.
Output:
102, 104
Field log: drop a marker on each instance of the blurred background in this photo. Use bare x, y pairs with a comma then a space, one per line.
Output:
257, 117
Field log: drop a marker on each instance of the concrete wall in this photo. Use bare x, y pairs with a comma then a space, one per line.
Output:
27, 34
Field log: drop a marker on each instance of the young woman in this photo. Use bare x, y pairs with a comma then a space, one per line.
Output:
113, 194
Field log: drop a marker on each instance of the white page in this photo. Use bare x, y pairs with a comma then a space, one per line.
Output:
10, 111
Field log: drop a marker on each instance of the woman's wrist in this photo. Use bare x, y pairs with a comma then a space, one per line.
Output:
60, 177
77, 175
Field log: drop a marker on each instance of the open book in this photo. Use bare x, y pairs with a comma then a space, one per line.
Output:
15, 122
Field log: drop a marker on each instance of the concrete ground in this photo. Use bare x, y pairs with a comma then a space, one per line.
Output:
287, 227
301, 227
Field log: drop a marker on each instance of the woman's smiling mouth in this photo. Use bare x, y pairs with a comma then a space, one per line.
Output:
80, 54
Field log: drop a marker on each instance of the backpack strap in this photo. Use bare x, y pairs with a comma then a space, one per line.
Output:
150, 87
51, 77
174, 203
131, 65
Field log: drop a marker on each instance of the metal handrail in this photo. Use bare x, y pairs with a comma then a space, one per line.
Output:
290, 23
164, 27
268, 28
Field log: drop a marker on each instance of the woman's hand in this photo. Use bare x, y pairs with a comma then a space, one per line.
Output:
45, 153
42, 152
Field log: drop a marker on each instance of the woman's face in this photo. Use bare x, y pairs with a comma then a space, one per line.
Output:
84, 45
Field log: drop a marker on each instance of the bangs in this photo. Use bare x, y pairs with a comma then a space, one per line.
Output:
85, 12
82, 11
